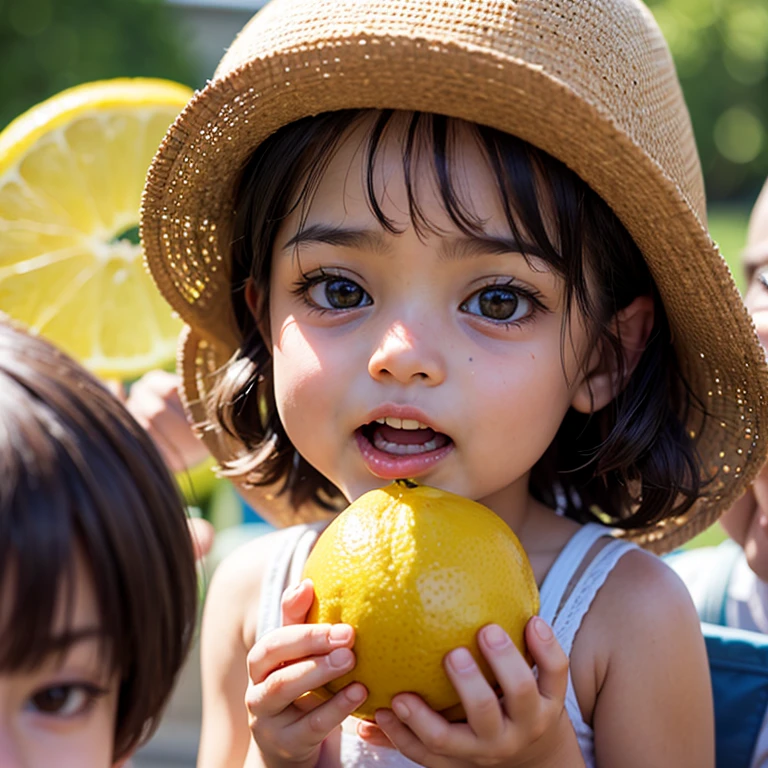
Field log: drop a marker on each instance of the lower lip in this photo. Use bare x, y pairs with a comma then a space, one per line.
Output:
390, 467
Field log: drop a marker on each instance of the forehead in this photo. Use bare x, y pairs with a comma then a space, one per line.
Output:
341, 193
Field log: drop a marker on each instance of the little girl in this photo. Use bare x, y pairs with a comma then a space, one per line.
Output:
462, 242
98, 592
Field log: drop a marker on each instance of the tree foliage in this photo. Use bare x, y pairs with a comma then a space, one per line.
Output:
720, 47
721, 51
50, 45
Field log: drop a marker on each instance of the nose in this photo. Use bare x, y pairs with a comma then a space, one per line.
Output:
408, 352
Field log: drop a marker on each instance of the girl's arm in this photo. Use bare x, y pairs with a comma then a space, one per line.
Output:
654, 706
233, 591
254, 708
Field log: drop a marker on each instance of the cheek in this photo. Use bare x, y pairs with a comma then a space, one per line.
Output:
307, 398
525, 398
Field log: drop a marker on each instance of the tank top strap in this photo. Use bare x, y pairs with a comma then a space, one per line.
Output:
286, 563
568, 619
565, 567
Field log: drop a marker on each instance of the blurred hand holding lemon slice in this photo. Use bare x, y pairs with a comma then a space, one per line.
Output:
72, 170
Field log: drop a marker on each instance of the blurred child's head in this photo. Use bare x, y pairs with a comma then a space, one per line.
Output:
747, 522
755, 265
98, 591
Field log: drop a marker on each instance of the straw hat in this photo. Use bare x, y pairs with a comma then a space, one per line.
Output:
590, 82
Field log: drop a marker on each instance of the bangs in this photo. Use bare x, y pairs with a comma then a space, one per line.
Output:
39, 537
429, 144
550, 212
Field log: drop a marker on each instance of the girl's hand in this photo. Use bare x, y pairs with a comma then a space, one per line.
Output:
288, 726
527, 726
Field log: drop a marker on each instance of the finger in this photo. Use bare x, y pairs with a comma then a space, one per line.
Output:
550, 659
283, 686
162, 382
296, 602
315, 726
296, 642
371, 733
312, 699
148, 410
401, 736
202, 534
432, 730
481, 703
513, 674
116, 388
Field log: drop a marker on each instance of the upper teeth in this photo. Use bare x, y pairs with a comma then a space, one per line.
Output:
392, 421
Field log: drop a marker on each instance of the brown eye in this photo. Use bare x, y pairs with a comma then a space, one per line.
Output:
499, 303
339, 293
61, 700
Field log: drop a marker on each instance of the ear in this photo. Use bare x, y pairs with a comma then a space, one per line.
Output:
632, 325
256, 300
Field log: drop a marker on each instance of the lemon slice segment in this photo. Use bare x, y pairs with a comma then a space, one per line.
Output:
71, 175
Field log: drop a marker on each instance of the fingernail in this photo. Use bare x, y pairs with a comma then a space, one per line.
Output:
340, 633
542, 629
355, 693
340, 658
291, 592
495, 636
384, 717
401, 710
461, 660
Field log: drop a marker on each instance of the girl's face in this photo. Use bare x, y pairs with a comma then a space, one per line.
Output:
63, 712
440, 357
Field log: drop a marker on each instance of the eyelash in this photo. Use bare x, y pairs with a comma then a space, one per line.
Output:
307, 282
91, 693
528, 294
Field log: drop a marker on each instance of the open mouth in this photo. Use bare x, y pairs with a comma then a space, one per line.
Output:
403, 437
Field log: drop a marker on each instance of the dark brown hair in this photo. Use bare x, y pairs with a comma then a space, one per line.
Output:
79, 475
630, 464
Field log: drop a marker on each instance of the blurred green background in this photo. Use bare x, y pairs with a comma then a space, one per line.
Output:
720, 47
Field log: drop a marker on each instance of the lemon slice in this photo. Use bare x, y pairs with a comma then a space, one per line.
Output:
71, 175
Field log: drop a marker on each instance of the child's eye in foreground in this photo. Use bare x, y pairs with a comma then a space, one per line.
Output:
501, 304
64, 700
333, 292
762, 276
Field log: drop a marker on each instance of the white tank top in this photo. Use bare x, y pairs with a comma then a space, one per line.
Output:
566, 595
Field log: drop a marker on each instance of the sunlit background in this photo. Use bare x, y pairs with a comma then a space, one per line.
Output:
721, 51
720, 47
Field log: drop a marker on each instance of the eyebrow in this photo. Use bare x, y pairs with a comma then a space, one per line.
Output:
454, 248
65, 640
342, 237
468, 246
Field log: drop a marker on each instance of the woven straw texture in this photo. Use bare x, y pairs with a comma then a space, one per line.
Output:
591, 82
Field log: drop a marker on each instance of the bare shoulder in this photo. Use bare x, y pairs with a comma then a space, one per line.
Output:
640, 669
235, 588
642, 586
643, 574
642, 607
642, 601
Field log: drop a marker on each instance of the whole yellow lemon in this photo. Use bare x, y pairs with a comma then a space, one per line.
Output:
417, 572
